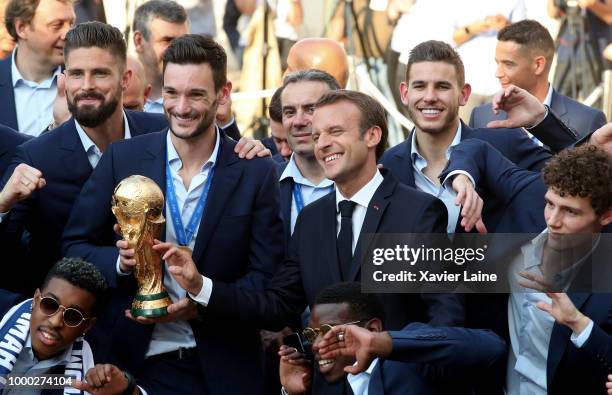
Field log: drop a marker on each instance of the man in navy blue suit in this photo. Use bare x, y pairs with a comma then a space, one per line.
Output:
228, 216
573, 329
350, 132
433, 92
524, 56
346, 332
28, 78
9, 141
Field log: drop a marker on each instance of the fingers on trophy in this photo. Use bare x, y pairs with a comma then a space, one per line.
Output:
138, 204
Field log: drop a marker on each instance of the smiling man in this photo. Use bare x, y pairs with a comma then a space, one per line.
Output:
524, 56
46, 333
28, 78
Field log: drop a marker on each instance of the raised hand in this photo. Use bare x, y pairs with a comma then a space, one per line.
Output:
472, 203
22, 183
523, 109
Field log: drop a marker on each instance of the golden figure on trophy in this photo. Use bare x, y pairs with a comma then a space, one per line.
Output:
138, 203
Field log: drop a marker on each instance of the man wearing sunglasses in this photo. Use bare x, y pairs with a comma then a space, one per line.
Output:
347, 335
44, 335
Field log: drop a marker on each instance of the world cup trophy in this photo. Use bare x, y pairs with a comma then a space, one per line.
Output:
138, 204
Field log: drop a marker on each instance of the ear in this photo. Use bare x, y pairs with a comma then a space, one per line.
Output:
21, 28
374, 325
224, 93
466, 91
125, 79
606, 218
36, 294
540, 65
404, 92
147, 92
372, 136
138, 41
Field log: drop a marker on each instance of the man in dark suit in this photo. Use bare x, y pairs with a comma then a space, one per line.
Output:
394, 362
524, 55
350, 132
433, 91
237, 238
28, 78
576, 334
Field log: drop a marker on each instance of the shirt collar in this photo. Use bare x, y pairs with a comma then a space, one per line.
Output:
548, 98
17, 76
88, 142
352, 377
175, 161
60, 359
292, 171
365, 194
416, 155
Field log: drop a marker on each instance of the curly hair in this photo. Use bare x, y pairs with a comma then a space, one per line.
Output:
584, 172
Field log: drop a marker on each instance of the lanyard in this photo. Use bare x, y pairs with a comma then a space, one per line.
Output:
185, 235
299, 199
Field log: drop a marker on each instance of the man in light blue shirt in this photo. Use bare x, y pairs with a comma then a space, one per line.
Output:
28, 78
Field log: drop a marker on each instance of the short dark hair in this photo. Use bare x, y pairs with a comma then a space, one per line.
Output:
81, 274
532, 35
584, 172
276, 108
197, 49
165, 10
371, 113
312, 75
99, 35
436, 51
23, 10
362, 305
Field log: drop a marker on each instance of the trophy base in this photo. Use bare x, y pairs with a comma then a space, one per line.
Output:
151, 306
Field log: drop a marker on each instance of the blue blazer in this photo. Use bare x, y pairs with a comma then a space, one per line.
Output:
313, 265
8, 112
9, 140
239, 242
583, 119
60, 156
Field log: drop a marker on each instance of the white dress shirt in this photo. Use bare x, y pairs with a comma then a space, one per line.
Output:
154, 106
362, 198
91, 149
171, 336
360, 382
33, 100
310, 191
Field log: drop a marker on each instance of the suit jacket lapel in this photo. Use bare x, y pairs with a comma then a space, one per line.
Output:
406, 175
74, 157
225, 180
558, 104
375, 211
559, 339
328, 237
286, 190
153, 165
9, 115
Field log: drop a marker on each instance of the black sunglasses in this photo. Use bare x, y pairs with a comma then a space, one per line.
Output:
72, 317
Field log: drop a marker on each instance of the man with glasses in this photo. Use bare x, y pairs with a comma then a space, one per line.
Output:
44, 335
346, 330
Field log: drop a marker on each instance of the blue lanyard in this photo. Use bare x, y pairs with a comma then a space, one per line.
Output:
185, 235
299, 199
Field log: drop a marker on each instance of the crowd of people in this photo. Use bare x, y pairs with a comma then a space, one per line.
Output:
262, 243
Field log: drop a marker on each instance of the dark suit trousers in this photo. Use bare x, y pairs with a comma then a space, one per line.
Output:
161, 375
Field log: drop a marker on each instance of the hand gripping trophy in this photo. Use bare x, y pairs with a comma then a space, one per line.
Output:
138, 204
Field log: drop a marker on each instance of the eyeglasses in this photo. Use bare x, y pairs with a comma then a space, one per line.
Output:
312, 333
72, 317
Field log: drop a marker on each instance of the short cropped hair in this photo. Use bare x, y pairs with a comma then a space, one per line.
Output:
436, 51
99, 35
23, 10
166, 10
584, 172
531, 35
371, 113
83, 275
276, 108
198, 49
363, 306
312, 75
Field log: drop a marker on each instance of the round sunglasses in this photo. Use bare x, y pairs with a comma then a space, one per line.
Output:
71, 316
312, 333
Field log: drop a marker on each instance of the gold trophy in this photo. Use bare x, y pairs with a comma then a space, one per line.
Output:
138, 204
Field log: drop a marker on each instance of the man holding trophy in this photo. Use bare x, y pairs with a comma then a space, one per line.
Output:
224, 209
